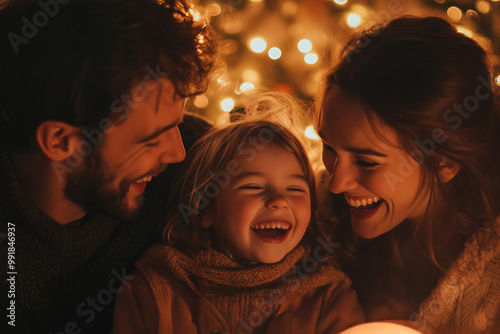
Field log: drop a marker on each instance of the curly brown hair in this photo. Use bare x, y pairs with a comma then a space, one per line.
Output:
89, 53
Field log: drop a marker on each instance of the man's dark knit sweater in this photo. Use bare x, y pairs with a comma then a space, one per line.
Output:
68, 275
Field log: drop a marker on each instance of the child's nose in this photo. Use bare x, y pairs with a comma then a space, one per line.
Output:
276, 202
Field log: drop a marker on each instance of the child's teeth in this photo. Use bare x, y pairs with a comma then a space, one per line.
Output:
283, 226
375, 200
358, 203
369, 201
363, 202
351, 201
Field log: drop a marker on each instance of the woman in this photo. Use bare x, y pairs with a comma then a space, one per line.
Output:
411, 141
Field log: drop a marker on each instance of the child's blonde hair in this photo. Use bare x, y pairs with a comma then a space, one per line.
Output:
213, 162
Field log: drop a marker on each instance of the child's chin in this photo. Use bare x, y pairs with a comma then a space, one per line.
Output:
272, 259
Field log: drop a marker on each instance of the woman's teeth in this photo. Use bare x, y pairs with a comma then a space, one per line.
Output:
363, 202
144, 179
284, 226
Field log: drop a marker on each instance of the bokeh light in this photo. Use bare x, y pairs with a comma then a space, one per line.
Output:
454, 13
246, 86
227, 105
274, 53
353, 20
213, 9
201, 101
258, 45
305, 45
311, 133
311, 58
483, 6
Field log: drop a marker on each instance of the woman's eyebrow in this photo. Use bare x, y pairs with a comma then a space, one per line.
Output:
365, 151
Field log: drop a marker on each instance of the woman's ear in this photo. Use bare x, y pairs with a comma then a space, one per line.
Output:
448, 169
57, 140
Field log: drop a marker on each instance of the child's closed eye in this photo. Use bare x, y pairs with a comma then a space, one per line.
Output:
251, 187
297, 189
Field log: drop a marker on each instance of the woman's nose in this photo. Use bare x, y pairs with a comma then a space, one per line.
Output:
342, 178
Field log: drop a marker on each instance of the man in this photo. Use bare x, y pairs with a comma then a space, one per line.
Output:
92, 94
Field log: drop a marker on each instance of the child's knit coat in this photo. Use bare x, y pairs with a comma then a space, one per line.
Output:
173, 293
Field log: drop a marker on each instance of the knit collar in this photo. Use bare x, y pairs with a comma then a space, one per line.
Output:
210, 272
39, 231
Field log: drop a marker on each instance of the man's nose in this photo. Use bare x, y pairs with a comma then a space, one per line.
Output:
173, 150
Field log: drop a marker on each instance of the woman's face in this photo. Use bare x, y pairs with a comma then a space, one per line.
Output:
380, 181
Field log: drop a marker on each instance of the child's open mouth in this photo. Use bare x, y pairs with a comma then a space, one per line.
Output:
272, 232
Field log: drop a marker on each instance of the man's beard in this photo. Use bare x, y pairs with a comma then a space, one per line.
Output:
89, 187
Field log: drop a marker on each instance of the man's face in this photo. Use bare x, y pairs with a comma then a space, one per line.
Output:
133, 151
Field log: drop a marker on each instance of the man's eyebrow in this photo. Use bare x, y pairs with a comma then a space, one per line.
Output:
160, 131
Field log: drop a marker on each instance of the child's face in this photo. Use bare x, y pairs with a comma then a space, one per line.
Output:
264, 210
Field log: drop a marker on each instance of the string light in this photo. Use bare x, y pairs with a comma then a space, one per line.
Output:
311, 133
274, 53
311, 58
340, 2
353, 20
227, 105
305, 45
258, 45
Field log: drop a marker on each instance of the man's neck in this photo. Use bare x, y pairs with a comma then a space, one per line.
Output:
42, 185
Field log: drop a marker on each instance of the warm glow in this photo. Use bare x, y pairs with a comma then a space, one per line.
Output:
250, 75
497, 80
380, 328
213, 9
353, 20
466, 31
227, 105
305, 46
274, 53
196, 15
311, 58
311, 133
440, 1
246, 86
340, 2
454, 13
483, 6
201, 101
258, 45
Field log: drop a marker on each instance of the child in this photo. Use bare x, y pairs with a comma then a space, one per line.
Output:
239, 257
